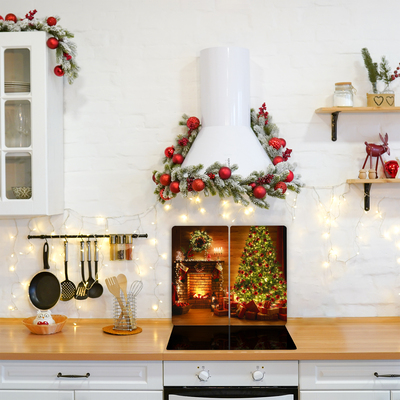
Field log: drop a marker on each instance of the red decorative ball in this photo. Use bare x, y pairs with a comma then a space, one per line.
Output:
52, 43
169, 151
283, 142
289, 177
253, 185
225, 173
281, 185
67, 56
165, 179
277, 160
51, 21
177, 159
11, 17
259, 192
58, 70
193, 123
154, 179
1, 18
275, 143
174, 187
391, 168
198, 185
161, 195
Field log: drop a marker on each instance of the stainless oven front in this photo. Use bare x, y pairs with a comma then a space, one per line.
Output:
247, 380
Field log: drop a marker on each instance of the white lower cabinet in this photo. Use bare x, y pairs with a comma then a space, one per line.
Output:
349, 380
35, 395
83, 380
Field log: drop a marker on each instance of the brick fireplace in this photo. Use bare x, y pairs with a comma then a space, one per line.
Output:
199, 286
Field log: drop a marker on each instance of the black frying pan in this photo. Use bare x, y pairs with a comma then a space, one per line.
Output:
45, 288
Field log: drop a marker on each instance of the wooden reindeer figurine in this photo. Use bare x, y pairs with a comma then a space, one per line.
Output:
376, 150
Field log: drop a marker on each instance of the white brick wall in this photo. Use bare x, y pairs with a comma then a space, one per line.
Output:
139, 74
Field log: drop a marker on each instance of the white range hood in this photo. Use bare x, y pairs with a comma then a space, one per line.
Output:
225, 106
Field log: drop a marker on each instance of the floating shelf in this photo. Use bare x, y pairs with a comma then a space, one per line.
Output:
335, 111
367, 187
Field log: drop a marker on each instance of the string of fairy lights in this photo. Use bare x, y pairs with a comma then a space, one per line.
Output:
147, 268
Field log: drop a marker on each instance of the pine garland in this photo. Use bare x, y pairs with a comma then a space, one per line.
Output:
237, 187
65, 46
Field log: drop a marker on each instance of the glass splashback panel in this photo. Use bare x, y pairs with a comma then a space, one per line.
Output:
229, 276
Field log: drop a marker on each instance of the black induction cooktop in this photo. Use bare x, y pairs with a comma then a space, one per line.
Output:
232, 337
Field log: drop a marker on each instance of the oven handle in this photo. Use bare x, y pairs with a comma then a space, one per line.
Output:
387, 375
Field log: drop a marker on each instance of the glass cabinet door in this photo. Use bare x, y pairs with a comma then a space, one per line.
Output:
17, 123
18, 176
17, 67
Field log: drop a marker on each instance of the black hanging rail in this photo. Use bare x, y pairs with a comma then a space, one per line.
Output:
134, 236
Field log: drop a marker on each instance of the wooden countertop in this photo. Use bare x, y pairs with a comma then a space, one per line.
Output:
315, 338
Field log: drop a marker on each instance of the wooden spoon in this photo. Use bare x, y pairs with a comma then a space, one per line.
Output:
115, 289
123, 284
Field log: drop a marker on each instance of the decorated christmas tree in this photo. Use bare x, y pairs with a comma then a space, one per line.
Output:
260, 277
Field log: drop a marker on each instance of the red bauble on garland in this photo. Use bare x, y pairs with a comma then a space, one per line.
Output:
277, 160
1, 18
281, 185
161, 195
224, 173
252, 185
165, 179
177, 159
391, 168
283, 142
58, 70
154, 179
198, 185
52, 43
193, 123
11, 17
51, 21
259, 192
275, 143
174, 187
169, 151
289, 177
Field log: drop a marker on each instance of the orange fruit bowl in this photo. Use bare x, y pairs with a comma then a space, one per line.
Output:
60, 321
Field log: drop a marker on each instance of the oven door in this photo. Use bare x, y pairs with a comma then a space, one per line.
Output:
230, 393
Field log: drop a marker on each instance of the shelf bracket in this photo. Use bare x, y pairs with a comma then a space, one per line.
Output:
367, 190
335, 117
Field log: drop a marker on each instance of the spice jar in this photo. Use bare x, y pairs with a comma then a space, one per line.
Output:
343, 95
113, 247
120, 247
128, 247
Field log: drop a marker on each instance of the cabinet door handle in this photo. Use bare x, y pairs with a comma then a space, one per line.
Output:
386, 376
60, 375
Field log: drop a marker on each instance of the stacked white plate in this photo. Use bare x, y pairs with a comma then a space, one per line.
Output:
17, 87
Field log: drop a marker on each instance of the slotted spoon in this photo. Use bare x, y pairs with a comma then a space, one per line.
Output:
68, 288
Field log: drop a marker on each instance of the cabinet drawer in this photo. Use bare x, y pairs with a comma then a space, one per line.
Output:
118, 395
349, 375
122, 375
345, 395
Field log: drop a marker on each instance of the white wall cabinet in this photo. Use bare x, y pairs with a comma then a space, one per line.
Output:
31, 127
345, 380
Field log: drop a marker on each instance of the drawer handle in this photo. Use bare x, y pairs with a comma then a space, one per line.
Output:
60, 375
386, 376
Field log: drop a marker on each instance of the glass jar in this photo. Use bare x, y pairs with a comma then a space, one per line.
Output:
113, 247
343, 95
120, 247
128, 247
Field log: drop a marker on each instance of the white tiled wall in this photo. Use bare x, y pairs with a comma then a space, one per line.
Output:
139, 74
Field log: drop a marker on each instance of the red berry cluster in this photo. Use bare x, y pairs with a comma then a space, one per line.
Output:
263, 113
183, 142
189, 184
265, 179
211, 176
286, 154
396, 73
30, 15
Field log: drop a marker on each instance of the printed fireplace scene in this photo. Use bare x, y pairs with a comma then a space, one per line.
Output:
233, 275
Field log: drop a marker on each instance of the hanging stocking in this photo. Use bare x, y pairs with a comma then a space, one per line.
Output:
183, 273
216, 274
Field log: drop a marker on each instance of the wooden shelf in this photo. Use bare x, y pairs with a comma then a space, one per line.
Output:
330, 110
335, 111
367, 187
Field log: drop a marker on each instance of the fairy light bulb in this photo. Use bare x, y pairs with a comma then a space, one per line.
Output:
325, 264
325, 235
155, 307
184, 217
12, 268
167, 207
202, 210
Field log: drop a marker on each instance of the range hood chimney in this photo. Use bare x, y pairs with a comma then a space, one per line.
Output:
226, 135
